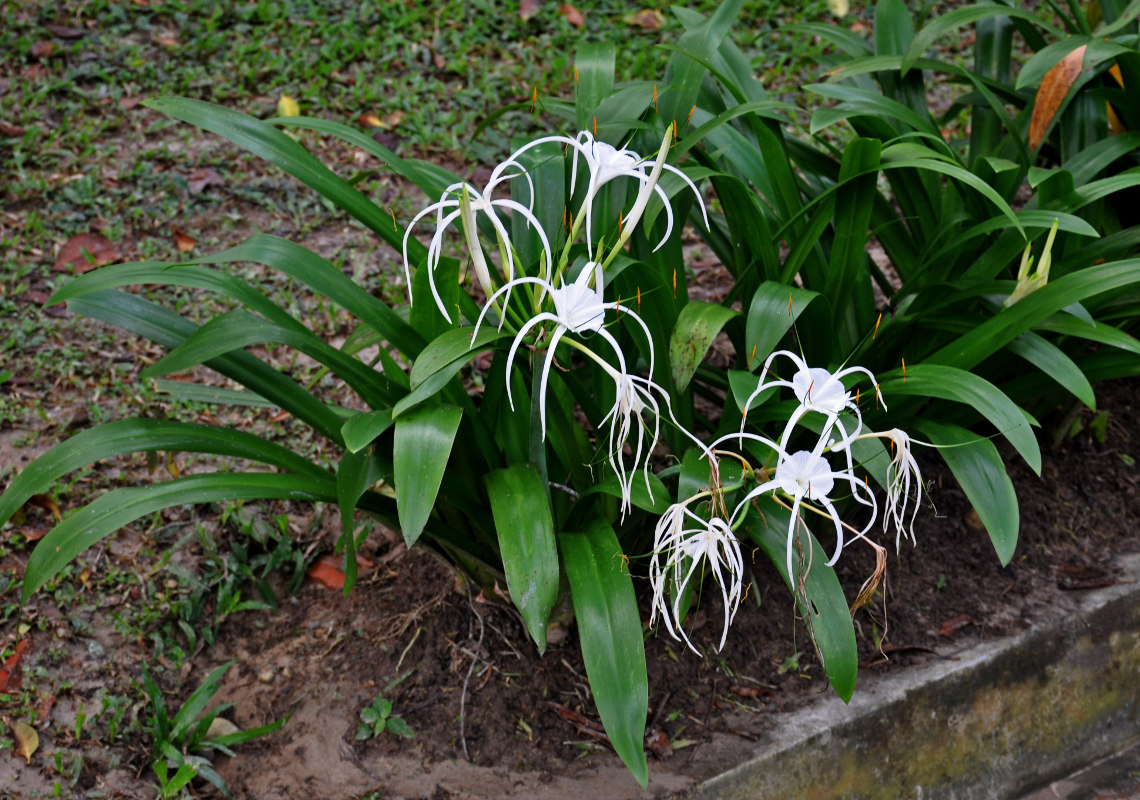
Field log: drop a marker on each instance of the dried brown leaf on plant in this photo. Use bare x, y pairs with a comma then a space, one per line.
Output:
572, 15
649, 19
85, 252
528, 8
27, 740
1054, 88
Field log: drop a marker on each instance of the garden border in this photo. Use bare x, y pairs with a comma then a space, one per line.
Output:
980, 724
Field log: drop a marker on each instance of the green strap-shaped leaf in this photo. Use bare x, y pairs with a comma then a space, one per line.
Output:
237, 329
111, 511
935, 380
164, 327
655, 500
594, 73
138, 435
357, 472
266, 141
995, 333
821, 602
775, 307
955, 19
1053, 361
421, 448
979, 470
609, 628
359, 431
525, 528
697, 325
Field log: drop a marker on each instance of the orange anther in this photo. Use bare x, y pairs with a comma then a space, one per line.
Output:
876, 333
655, 98
904, 370
752, 355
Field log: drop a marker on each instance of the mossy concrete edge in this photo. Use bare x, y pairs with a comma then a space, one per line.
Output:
1000, 719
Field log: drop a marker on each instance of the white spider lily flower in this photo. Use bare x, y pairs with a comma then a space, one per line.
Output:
807, 476
818, 391
578, 309
904, 481
605, 163
462, 201
678, 552
634, 398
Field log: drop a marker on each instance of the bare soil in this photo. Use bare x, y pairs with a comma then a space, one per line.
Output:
412, 632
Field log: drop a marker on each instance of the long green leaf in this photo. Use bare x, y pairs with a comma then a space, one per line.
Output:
111, 511
264, 140
949, 383
357, 472
775, 307
952, 20
139, 435
820, 599
525, 528
995, 333
1053, 361
978, 468
237, 329
421, 448
168, 329
609, 628
697, 326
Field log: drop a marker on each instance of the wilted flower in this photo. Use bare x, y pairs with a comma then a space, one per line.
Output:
903, 480
678, 553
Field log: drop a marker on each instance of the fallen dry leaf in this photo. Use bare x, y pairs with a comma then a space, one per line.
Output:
528, 8
128, 103
184, 241
1054, 87
839, 8
287, 107
47, 503
573, 15
201, 178
166, 39
649, 19
85, 252
66, 32
326, 572
370, 120
8, 129
42, 49
11, 664
36, 296
955, 624
27, 740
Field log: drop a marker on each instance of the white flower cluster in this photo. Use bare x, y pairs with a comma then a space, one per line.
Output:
696, 534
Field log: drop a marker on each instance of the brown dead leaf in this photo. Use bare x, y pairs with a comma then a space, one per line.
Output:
9, 677
42, 50
369, 120
47, 503
649, 19
1054, 88
955, 624
528, 8
184, 241
128, 103
85, 252
327, 573
36, 296
572, 14
166, 39
66, 32
201, 178
27, 740
8, 129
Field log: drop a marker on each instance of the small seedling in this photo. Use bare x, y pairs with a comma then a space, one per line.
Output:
377, 718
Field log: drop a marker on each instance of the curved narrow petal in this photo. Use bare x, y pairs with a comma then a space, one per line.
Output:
515, 346
554, 340
693, 186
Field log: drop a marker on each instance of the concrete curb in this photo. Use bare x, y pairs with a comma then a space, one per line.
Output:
1003, 718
